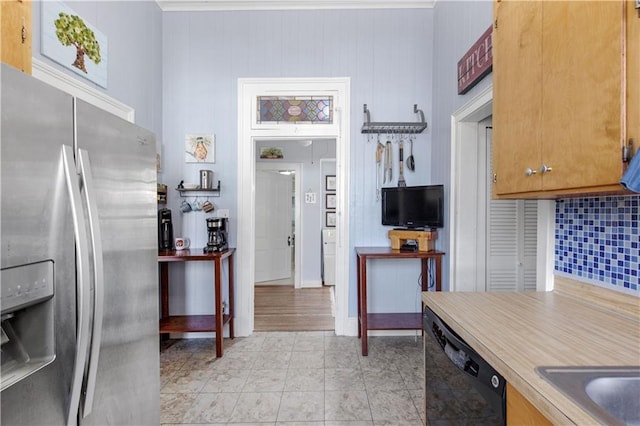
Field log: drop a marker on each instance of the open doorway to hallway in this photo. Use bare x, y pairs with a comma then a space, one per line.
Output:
251, 130
291, 213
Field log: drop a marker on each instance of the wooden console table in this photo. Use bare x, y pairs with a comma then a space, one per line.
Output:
391, 321
197, 323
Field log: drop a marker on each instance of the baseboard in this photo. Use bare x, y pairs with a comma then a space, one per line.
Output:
352, 330
311, 284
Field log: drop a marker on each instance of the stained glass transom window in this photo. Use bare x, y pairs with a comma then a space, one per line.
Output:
295, 109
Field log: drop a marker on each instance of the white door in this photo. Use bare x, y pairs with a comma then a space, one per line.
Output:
274, 208
511, 236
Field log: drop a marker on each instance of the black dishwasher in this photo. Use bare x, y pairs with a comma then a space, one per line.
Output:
460, 386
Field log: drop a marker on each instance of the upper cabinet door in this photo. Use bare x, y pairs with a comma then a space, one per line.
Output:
582, 62
16, 33
561, 97
633, 73
517, 88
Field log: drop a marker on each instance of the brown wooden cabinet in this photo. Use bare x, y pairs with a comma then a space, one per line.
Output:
559, 87
16, 33
521, 412
633, 74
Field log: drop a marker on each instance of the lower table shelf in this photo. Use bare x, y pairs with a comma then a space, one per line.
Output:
395, 321
190, 323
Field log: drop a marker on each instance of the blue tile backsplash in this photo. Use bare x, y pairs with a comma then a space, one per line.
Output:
597, 240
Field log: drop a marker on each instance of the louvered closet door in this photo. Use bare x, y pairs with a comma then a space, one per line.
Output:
512, 227
511, 245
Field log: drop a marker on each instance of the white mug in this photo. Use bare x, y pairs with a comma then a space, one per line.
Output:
182, 243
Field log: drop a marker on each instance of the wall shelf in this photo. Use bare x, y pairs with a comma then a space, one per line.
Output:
392, 127
196, 192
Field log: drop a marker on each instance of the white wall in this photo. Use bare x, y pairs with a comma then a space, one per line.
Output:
386, 53
458, 25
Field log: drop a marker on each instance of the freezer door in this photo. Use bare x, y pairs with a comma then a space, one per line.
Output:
123, 169
36, 230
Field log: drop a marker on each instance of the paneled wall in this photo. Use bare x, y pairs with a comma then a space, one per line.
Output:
458, 24
387, 54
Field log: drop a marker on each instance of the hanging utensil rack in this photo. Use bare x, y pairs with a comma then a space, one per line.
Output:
394, 127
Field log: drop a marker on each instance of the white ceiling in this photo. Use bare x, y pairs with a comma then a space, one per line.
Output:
200, 5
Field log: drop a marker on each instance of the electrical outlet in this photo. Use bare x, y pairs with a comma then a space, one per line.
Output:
223, 213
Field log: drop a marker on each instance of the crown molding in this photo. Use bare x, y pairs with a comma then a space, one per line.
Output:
229, 5
56, 78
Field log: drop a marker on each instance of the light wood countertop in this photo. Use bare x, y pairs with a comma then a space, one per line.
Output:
516, 332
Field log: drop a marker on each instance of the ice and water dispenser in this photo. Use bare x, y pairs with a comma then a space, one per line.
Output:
28, 340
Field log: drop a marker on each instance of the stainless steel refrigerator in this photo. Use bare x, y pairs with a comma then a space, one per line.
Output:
79, 262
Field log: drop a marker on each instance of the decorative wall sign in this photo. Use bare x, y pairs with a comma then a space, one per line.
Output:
199, 148
74, 43
476, 63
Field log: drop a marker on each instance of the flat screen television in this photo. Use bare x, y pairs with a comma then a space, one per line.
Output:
413, 206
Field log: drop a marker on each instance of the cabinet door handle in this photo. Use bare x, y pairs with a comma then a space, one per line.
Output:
545, 169
529, 171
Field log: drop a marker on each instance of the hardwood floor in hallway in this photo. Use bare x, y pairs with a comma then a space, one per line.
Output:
285, 308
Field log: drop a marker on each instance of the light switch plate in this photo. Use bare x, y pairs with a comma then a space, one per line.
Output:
310, 198
223, 213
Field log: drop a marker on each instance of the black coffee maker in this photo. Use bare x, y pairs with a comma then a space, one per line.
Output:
165, 230
217, 229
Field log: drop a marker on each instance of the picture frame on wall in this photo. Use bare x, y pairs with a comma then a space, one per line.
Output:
330, 182
330, 201
199, 148
330, 219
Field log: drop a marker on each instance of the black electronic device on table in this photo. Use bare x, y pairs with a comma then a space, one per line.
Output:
409, 246
413, 207
165, 230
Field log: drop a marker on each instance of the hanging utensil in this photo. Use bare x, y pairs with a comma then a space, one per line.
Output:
411, 165
379, 151
388, 163
401, 182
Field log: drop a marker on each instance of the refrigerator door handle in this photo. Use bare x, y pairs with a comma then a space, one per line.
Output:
98, 279
82, 282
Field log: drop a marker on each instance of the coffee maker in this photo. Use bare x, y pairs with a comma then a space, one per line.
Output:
217, 229
165, 230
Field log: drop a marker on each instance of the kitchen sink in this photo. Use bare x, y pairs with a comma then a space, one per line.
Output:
610, 394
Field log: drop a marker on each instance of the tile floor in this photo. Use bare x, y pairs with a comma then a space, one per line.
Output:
293, 378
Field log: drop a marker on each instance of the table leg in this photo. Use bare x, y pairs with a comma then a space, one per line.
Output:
425, 274
231, 284
363, 305
164, 292
358, 299
438, 261
218, 303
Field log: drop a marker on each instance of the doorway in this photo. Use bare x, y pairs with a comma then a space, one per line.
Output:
277, 254
250, 132
470, 208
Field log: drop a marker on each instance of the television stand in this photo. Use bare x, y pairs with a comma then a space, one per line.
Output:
426, 239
